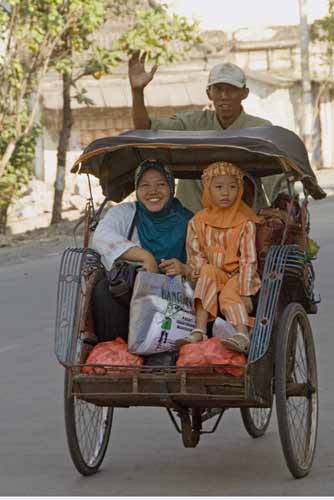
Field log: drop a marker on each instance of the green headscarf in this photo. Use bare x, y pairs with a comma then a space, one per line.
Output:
162, 233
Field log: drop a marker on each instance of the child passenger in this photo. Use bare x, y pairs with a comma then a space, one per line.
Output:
222, 255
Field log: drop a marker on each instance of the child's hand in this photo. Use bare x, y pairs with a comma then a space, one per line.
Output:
172, 267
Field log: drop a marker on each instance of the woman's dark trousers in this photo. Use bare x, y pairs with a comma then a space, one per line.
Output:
110, 314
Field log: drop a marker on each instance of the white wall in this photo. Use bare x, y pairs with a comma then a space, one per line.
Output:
327, 130
271, 103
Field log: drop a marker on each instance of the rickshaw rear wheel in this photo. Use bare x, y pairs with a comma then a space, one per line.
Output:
256, 420
88, 430
296, 390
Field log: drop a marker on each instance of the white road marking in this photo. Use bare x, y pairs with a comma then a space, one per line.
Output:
8, 348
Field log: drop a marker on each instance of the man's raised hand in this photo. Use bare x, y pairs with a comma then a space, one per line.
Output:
138, 77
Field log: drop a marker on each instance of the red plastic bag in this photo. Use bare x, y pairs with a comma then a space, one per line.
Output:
193, 355
218, 354
114, 352
212, 352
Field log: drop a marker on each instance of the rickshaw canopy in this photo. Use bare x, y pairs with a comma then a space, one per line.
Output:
259, 151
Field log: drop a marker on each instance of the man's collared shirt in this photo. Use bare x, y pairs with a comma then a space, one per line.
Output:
205, 120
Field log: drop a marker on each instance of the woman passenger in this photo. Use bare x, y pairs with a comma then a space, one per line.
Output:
157, 243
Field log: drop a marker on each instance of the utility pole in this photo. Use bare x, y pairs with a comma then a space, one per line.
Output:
307, 103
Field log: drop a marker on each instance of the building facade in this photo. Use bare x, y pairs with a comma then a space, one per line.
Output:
271, 61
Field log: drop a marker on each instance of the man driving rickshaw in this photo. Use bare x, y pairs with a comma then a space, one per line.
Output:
226, 90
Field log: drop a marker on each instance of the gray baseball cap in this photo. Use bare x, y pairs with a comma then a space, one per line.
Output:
227, 73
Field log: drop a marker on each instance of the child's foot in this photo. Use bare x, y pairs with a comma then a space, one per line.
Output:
239, 342
197, 335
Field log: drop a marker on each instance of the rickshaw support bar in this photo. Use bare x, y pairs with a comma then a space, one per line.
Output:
204, 417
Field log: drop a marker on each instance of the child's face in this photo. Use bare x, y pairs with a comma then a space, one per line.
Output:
224, 190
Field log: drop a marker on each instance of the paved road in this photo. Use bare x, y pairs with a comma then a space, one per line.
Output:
145, 456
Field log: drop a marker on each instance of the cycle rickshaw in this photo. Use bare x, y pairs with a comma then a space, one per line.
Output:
281, 361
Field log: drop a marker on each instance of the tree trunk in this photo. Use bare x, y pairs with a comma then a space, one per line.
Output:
64, 137
7, 156
3, 218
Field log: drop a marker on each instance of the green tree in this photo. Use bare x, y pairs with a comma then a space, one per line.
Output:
18, 173
31, 42
80, 57
31, 38
38, 36
322, 31
34, 38
162, 37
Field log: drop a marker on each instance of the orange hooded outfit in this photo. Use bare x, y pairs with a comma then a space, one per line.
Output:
221, 252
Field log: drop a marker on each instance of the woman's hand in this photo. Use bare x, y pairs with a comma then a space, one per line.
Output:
173, 267
145, 258
150, 264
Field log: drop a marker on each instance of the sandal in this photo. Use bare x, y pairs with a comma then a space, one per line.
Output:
239, 342
197, 335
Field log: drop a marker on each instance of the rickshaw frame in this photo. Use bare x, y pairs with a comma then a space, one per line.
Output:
196, 397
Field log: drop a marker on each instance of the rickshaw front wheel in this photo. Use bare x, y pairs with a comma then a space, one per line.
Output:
256, 420
88, 430
190, 426
296, 389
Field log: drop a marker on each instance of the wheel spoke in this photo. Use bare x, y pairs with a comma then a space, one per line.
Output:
298, 408
90, 424
260, 416
256, 420
300, 359
297, 412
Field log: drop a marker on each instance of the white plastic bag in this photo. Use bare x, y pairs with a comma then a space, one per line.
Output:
160, 313
223, 329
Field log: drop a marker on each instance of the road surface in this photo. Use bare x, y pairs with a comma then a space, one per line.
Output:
145, 455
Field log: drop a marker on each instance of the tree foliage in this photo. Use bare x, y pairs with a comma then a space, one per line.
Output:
34, 39
18, 172
36, 36
323, 31
165, 38
20, 167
